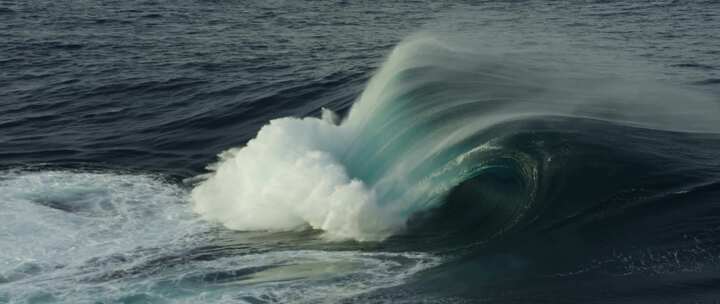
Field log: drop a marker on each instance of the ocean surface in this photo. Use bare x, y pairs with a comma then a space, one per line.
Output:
221, 151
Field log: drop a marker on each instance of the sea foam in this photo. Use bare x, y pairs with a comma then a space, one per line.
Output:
289, 177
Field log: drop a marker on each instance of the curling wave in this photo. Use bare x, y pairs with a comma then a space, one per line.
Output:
425, 131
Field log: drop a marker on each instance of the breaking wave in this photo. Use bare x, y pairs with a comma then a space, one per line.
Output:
433, 122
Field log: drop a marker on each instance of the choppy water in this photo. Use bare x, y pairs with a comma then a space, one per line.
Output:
503, 152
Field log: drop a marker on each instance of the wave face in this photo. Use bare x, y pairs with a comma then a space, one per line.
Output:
425, 127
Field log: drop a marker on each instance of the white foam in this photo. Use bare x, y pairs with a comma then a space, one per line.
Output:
288, 178
62, 224
310, 276
120, 240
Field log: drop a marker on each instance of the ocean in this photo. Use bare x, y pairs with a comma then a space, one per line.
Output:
222, 151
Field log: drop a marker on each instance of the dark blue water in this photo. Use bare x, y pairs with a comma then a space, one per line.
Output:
508, 151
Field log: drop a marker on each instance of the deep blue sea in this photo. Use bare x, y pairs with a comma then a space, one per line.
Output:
225, 151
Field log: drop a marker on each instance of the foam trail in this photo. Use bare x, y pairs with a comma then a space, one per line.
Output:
413, 135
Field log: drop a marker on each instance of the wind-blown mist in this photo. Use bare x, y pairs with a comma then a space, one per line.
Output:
420, 129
